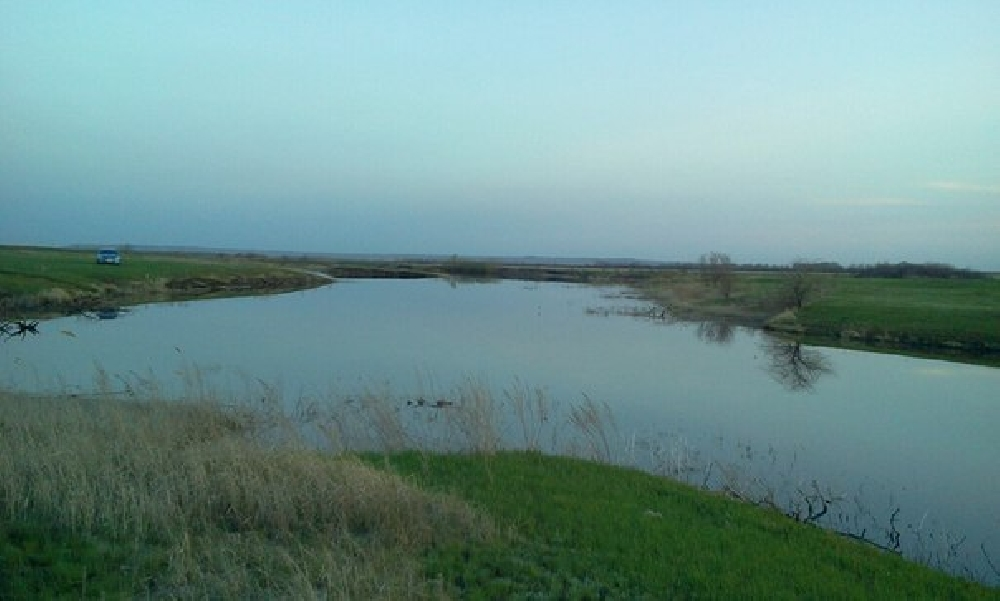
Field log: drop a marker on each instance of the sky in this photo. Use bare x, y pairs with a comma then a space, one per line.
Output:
846, 131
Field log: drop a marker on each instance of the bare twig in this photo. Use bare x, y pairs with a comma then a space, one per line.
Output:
989, 560
892, 533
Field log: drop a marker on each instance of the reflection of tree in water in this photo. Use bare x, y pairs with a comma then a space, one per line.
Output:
794, 366
17, 328
719, 332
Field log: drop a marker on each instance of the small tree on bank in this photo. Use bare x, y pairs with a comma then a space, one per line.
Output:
717, 268
801, 285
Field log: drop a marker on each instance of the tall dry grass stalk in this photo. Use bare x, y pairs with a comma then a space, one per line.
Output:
234, 518
475, 424
533, 412
595, 423
470, 418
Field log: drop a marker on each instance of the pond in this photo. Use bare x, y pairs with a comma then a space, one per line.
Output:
905, 451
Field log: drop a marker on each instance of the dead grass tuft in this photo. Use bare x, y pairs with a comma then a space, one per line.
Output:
234, 517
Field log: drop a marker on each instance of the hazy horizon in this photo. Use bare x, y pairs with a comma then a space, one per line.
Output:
851, 132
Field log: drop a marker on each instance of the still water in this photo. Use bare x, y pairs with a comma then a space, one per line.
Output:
876, 432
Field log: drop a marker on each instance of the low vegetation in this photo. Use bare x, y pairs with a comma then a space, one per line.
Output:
117, 499
112, 499
583, 530
908, 312
40, 281
954, 318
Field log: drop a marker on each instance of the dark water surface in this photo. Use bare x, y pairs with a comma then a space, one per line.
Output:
879, 432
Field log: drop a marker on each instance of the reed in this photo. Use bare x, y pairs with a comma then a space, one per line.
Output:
264, 496
189, 502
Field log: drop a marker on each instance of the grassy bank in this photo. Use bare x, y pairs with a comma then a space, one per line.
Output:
110, 499
959, 315
945, 318
752, 301
116, 499
582, 530
40, 281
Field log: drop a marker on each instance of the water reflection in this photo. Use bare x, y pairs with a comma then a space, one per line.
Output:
794, 366
716, 332
18, 328
106, 313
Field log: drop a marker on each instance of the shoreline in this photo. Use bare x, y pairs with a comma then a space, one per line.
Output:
75, 303
46, 283
676, 291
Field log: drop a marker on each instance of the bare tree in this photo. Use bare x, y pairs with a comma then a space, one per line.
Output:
717, 268
801, 285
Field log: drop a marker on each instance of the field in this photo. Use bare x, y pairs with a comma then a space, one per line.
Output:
40, 281
946, 318
115, 499
912, 310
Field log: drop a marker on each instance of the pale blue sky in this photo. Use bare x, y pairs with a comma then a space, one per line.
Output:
853, 132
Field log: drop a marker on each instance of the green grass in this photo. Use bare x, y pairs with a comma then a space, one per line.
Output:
920, 308
36, 280
38, 560
946, 318
25, 271
114, 499
582, 530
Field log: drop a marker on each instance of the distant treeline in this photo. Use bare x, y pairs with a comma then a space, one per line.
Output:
914, 270
876, 270
540, 268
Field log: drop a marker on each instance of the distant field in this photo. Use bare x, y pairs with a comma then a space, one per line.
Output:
911, 310
34, 278
930, 315
26, 271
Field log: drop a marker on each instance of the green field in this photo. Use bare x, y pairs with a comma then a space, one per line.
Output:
114, 499
947, 318
43, 279
916, 309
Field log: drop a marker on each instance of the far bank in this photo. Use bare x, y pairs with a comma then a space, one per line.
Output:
943, 317
43, 282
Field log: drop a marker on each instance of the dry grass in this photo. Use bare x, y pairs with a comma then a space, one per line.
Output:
201, 499
753, 299
225, 515
470, 418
